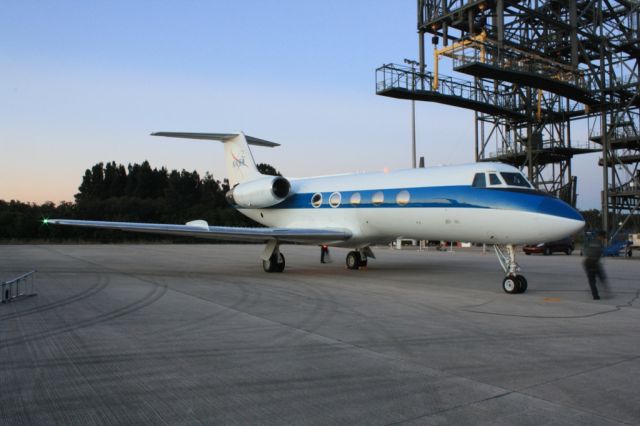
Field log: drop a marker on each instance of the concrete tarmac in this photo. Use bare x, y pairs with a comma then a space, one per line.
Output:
199, 334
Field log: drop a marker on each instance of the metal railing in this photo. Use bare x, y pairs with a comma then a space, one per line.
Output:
394, 76
519, 61
631, 186
545, 145
22, 286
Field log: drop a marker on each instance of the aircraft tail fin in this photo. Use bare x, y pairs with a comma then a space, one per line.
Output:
241, 166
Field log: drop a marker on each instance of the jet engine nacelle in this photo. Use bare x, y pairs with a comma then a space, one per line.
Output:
259, 193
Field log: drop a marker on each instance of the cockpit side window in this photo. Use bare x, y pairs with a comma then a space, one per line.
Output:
479, 181
494, 179
515, 179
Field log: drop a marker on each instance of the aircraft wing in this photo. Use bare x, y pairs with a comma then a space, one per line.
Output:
201, 229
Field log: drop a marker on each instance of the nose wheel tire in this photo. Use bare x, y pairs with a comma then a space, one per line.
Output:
522, 282
515, 284
510, 285
354, 260
274, 264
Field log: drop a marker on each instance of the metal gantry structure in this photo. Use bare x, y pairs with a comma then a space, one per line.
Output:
548, 80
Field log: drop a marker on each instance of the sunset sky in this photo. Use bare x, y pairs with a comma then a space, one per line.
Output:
85, 82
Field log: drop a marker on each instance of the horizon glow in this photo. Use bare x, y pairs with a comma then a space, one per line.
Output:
85, 83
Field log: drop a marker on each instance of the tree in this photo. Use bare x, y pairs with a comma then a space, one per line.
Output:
267, 169
92, 185
136, 193
183, 189
115, 179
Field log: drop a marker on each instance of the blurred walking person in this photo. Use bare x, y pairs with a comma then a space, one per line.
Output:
592, 265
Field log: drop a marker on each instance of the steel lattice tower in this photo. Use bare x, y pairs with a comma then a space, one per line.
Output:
548, 79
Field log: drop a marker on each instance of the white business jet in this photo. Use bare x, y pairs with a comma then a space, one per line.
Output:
490, 203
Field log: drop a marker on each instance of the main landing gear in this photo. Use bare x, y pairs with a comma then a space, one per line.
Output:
272, 259
275, 263
356, 259
512, 283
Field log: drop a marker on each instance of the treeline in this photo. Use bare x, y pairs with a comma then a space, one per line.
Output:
135, 193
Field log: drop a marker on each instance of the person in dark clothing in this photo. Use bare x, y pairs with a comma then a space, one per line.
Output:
324, 254
592, 265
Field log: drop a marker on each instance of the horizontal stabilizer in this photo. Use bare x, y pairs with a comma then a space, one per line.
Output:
223, 137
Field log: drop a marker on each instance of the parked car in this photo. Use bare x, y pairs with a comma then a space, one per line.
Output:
563, 246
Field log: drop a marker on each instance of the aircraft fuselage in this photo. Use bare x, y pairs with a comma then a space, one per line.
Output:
433, 204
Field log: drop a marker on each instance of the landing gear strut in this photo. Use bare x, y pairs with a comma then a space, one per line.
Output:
356, 259
512, 283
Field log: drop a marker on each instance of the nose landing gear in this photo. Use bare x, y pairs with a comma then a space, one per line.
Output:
512, 283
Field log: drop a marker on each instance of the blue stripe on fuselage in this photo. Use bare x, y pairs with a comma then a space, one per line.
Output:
458, 196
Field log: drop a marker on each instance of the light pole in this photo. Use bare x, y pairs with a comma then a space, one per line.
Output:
413, 64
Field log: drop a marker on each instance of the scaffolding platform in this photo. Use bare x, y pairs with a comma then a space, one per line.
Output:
453, 100
400, 82
620, 142
552, 116
620, 159
531, 79
627, 94
629, 195
542, 155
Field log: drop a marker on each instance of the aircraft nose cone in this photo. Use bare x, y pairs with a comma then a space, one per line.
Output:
575, 225
571, 219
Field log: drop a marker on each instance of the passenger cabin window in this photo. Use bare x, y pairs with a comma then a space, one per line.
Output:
494, 179
356, 198
479, 181
515, 179
403, 197
334, 200
378, 198
316, 200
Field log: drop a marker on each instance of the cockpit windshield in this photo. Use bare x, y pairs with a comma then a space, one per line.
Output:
494, 179
515, 179
479, 181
